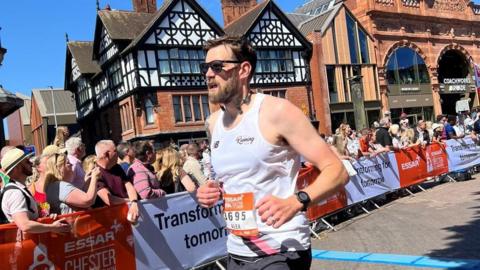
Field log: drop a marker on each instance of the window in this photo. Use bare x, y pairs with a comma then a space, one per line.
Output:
362, 38
149, 111
190, 108
276, 93
405, 66
352, 39
332, 86
125, 115
115, 74
274, 61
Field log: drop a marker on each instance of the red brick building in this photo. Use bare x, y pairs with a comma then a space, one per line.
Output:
425, 52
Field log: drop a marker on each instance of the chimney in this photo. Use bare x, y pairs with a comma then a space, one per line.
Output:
234, 9
145, 6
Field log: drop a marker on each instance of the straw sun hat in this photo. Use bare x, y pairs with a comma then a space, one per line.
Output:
12, 158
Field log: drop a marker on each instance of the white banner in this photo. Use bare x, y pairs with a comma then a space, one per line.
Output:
462, 154
176, 233
375, 176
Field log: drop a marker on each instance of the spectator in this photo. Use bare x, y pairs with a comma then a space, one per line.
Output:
157, 165
404, 123
142, 173
63, 196
126, 155
61, 136
192, 164
459, 127
364, 141
171, 175
449, 130
353, 145
382, 136
76, 151
421, 136
37, 186
395, 134
89, 163
340, 140
408, 137
183, 153
205, 161
114, 185
437, 132
17, 203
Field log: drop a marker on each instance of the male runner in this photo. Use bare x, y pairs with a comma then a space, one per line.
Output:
256, 141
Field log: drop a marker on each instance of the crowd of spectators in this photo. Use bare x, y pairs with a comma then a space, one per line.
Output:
385, 136
62, 179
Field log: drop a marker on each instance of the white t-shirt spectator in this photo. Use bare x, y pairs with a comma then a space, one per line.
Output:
14, 202
459, 130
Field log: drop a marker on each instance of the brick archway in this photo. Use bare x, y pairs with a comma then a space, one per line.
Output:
406, 44
455, 47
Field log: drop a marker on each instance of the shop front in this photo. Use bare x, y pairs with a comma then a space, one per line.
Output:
344, 113
415, 101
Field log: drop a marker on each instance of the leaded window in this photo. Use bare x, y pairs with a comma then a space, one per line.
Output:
190, 108
279, 66
171, 67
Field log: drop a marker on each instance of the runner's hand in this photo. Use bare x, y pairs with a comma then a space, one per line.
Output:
275, 212
208, 194
61, 226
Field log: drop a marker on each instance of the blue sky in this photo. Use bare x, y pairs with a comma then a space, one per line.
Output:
33, 32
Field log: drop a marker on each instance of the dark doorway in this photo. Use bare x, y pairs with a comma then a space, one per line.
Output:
449, 102
453, 64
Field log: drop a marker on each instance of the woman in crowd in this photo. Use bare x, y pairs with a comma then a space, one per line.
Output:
171, 175
63, 197
394, 133
61, 136
157, 165
88, 163
340, 140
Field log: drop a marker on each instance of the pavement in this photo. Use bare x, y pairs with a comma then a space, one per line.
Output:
436, 229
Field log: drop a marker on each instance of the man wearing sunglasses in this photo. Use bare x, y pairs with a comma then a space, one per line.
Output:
255, 145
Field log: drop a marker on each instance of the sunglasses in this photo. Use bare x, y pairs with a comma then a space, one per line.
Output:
216, 66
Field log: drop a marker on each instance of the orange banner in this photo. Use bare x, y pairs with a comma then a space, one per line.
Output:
100, 239
415, 164
332, 204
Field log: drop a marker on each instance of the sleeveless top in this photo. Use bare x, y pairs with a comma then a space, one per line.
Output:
245, 162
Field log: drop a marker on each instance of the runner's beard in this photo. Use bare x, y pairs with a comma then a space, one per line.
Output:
227, 93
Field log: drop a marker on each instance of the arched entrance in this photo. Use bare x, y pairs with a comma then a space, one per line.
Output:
455, 78
408, 83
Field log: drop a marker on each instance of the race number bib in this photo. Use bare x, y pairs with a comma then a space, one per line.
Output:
239, 214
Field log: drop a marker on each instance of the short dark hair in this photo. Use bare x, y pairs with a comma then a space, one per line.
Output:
122, 149
240, 46
141, 148
452, 118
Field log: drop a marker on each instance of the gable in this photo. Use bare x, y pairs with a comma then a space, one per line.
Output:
182, 25
270, 31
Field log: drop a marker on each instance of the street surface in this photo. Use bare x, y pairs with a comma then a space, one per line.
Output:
442, 222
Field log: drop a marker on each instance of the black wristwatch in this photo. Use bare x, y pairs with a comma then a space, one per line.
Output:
304, 199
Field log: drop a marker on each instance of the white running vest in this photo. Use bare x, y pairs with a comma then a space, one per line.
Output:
245, 162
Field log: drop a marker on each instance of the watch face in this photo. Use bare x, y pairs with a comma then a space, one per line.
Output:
303, 196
